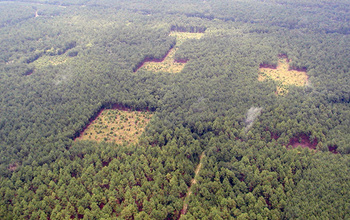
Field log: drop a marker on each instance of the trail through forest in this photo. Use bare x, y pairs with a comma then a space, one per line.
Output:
193, 181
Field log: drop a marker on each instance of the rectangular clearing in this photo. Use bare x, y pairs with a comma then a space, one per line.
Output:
117, 126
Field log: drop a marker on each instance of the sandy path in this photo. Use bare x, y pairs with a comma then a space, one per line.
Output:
193, 181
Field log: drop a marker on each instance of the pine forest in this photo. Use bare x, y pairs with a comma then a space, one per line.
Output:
187, 109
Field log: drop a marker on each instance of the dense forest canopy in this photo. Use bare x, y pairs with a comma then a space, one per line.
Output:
218, 144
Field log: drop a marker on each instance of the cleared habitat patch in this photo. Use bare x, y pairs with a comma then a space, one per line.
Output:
13, 166
50, 60
168, 63
183, 36
303, 140
113, 125
283, 75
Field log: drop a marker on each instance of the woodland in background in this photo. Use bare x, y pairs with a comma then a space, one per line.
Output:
61, 62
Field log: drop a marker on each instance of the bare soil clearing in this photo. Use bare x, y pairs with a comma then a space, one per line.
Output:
168, 63
303, 141
113, 125
50, 60
181, 37
333, 149
283, 75
13, 166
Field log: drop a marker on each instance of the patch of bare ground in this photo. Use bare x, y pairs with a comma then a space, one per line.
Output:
116, 125
168, 62
51, 60
333, 149
283, 75
189, 191
304, 141
13, 166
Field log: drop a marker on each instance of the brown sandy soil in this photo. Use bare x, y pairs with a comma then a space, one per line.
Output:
113, 125
193, 181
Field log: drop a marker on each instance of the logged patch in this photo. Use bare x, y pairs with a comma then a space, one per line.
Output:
303, 141
168, 63
183, 36
283, 75
118, 126
50, 60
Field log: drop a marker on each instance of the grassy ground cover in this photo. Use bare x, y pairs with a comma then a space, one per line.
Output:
50, 60
169, 64
117, 126
284, 76
183, 36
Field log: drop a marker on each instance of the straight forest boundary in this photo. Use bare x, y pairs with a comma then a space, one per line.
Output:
168, 63
283, 75
119, 126
72, 107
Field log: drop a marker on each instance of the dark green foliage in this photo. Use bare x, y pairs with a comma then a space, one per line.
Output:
59, 69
